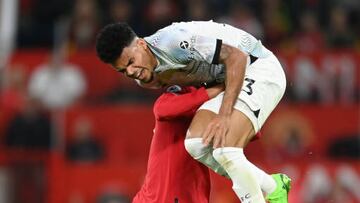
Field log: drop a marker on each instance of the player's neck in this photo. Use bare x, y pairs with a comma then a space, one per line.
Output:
154, 61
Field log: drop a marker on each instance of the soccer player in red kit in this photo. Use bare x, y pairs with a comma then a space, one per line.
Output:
172, 174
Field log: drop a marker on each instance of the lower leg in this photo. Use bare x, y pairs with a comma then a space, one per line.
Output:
266, 181
203, 154
245, 183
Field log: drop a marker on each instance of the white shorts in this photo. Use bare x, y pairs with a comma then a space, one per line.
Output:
263, 87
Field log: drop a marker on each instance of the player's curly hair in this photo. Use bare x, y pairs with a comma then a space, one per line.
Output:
111, 41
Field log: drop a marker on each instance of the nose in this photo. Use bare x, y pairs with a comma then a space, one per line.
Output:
130, 71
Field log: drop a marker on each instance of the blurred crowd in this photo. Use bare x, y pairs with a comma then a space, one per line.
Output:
309, 25
66, 26
289, 27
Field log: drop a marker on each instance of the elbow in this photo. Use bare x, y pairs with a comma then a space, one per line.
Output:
162, 115
233, 57
239, 55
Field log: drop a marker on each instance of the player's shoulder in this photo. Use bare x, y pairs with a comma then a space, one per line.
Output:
164, 36
170, 38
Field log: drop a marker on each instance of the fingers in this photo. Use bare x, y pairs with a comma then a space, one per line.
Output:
219, 138
214, 133
223, 139
208, 135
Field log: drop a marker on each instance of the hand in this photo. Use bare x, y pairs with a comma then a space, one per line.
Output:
216, 131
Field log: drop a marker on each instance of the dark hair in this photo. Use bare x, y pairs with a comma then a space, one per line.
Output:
111, 41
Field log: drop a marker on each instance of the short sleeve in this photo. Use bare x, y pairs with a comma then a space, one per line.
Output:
185, 46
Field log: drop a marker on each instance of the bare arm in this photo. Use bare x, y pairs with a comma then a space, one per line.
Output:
169, 105
235, 63
172, 105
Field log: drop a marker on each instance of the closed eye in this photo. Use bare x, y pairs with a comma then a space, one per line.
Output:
121, 70
131, 61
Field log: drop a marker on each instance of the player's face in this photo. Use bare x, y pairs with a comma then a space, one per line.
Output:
137, 61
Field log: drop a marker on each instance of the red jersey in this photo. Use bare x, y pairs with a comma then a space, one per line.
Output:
172, 174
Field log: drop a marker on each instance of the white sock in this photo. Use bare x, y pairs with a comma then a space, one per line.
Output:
266, 181
202, 153
245, 182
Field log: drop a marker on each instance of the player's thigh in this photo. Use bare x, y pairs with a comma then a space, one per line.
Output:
241, 130
199, 123
206, 112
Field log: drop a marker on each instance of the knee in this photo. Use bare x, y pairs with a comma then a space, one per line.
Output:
196, 148
227, 155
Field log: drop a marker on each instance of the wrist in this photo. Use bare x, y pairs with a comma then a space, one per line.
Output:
225, 111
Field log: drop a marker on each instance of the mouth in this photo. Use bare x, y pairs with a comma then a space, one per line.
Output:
140, 74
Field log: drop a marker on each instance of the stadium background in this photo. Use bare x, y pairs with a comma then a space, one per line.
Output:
93, 146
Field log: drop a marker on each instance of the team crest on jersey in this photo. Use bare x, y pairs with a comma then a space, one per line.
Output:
184, 44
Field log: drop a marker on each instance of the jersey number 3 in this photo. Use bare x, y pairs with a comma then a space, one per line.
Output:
249, 90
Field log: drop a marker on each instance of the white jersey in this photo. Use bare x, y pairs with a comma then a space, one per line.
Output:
188, 54
194, 47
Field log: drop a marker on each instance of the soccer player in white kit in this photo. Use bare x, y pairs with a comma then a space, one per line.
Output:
206, 53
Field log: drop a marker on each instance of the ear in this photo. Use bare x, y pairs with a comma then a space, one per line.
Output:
141, 42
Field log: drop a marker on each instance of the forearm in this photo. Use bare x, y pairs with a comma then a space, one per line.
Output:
170, 106
235, 63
